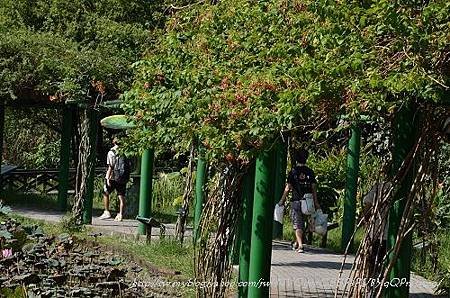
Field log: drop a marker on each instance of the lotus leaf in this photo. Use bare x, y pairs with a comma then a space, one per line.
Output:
4, 210
114, 261
5, 234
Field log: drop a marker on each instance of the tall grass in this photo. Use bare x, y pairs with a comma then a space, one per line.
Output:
166, 254
167, 193
422, 263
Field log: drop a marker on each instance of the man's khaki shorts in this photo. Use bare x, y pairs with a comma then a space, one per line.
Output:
297, 215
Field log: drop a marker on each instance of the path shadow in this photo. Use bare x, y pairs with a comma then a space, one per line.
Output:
278, 245
113, 224
302, 292
316, 264
426, 295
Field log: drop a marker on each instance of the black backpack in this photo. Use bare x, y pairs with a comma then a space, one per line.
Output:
122, 169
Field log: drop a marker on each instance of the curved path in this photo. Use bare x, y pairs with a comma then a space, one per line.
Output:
107, 227
311, 274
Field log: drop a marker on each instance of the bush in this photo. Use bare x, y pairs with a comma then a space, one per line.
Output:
168, 191
27, 148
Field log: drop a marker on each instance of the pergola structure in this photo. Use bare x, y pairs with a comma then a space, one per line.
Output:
68, 116
68, 113
263, 184
262, 187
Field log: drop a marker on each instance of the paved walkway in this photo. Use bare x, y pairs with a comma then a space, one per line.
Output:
311, 274
315, 272
107, 227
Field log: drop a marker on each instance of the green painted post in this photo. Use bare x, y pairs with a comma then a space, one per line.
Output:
348, 225
93, 120
404, 137
279, 182
64, 160
261, 240
145, 190
2, 128
200, 178
245, 233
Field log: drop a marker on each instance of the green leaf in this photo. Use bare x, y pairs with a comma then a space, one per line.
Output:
5, 234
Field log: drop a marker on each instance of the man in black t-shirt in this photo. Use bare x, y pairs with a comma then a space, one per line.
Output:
301, 180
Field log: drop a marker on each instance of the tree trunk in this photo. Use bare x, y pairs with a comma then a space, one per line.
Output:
217, 231
187, 195
84, 167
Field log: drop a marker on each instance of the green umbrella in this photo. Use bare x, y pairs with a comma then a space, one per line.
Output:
117, 122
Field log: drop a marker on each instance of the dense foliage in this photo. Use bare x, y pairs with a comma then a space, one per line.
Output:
236, 73
67, 50
72, 49
23, 146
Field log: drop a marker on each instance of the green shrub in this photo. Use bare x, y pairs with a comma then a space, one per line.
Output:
444, 264
330, 175
17, 292
24, 146
330, 168
167, 191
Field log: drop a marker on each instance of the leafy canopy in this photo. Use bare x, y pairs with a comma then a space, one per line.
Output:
236, 73
73, 49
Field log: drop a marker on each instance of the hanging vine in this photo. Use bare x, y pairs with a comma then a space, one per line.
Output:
85, 166
368, 266
217, 229
187, 196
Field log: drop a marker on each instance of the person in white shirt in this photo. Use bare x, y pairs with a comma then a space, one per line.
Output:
114, 181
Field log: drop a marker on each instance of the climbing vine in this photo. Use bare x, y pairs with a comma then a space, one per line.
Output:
75, 52
238, 74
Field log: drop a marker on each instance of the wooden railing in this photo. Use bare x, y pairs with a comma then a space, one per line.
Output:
38, 181
46, 181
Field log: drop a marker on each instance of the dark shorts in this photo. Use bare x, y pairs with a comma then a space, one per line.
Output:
297, 215
113, 185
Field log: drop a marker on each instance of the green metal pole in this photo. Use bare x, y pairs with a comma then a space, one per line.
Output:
93, 119
2, 128
404, 137
348, 225
145, 190
279, 182
200, 178
245, 233
262, 221
64, 160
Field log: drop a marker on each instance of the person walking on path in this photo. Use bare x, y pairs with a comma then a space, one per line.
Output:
301, 180
117, 176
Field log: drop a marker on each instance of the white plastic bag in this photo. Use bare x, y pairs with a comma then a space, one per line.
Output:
278, 213
320, 222
308, 204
